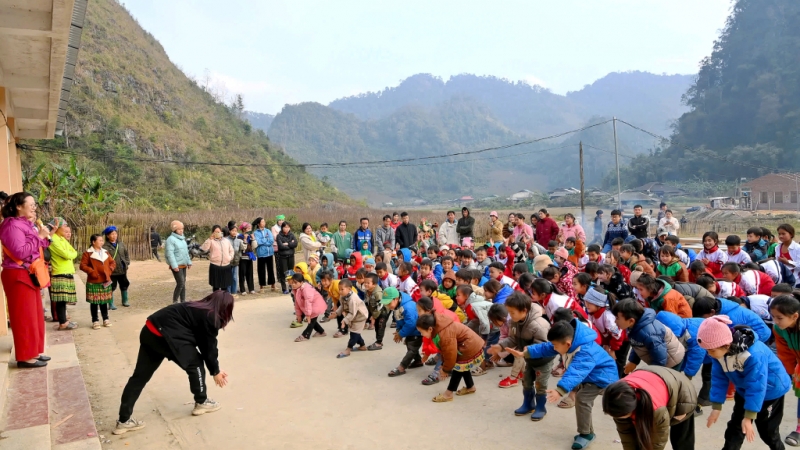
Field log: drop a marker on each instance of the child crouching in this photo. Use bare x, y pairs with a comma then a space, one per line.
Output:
354, 313
309, 303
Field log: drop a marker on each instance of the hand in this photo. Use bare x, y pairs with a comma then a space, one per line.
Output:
44, 232
553, 396
495, 358
630, 367
494, 350
783, 260
332, 315
705, 260
712, 418
442, 374
298, 319
425, 357
308, 319
397, 338
747, 429
221, 379
515, 352
175, 269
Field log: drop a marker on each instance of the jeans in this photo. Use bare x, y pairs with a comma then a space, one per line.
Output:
413, 344
235, 280
314, 325
491, 339
246, 275
103, 311
455, 379
355, 339
767, 424
152, 351
266, 274
180, 286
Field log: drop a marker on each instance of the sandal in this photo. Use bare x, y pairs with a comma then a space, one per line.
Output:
375, 346
342, 355
95, 325
338, 334
465, 391
566, 403
582, 442
441, 399
107, 323
430, 380
318, 334
430, 362
70, 326
301, 338
396, 373
415, 365
793, 439
477, 371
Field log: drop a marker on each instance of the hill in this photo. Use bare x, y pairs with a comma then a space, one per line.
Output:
260, 121
744, 107
129, 102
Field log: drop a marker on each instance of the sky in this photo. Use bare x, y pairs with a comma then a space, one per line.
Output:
290, 51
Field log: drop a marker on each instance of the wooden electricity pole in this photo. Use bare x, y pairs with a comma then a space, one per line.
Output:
583, 195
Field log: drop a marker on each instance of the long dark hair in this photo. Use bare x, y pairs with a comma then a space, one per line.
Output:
11, 204
220, 304
258, 221
621, 399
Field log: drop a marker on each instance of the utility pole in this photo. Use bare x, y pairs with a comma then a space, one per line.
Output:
616, 156
583, 206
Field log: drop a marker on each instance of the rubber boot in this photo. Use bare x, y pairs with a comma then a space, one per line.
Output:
541, 408
111, 305
527, 403
125, 299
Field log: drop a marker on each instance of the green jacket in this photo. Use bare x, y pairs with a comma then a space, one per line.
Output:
342, 244
121, 257
63, 256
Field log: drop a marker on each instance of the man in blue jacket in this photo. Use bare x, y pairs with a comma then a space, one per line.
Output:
405, 316
363, 234
589, 370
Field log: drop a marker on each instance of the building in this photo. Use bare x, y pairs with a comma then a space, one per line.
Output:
632, 197
775, 191
39, 42
563, 192
660, 190
521, 195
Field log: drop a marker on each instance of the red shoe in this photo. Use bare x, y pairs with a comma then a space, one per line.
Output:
731, 391
508, 382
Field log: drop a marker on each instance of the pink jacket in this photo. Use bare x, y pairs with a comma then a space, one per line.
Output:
22, 241
308, 301
575, 231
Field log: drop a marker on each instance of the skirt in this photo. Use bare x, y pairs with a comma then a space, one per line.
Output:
97, 294
469, 365
62, 289
220, 277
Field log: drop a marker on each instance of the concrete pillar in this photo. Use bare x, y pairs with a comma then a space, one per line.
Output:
10, 179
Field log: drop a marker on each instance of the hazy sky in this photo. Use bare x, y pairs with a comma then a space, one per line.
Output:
289, 51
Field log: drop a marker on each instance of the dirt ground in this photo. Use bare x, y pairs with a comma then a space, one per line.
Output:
287, 395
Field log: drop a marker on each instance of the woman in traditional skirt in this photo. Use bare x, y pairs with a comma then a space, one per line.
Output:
220, 255
99, 266
62, 279
461, 350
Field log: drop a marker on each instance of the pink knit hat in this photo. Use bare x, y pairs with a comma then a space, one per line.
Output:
714, 332
562, 253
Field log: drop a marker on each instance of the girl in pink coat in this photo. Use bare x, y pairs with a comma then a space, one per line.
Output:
308, 306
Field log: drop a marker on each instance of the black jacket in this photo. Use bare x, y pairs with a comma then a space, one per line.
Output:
186, 330
638, 226
155, 240
464, 226
405, 235
286, 244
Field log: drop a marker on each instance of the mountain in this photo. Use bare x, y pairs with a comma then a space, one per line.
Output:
744, 107
260, 121
129, 102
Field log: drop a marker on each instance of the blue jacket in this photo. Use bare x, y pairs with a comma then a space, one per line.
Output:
438, 271
757, 374
265, 240
406, 254
359, 237
686, 331
613, 231
586, 361
406, 316
176, 251
501, 296
649, 337
743, 316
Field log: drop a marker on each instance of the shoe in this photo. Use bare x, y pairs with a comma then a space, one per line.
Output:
698, 411
541, 408
430, 362
527, 403
243, 293
295, 324
704, 402
206, 407
33, 365
430, 380
111, 306
502, 363
393, 325
508, 382
262, 290
324, 319
44, 358
131, 425
286, 292
252, 292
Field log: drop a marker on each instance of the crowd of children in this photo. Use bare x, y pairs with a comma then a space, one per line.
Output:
586, 314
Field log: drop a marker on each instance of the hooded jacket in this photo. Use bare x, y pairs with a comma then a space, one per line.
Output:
586, 362
448, 234
265, 239
676, 269
743, 316
405, 315
465, 226
308, 301
302, 268
405, 235
353, 268
384, 239
457, 343
654, 343
360, 237
505, 292
682, 402
286, 244
692, 292
328, 257
530, 330
477, 310
686, 331
671, 300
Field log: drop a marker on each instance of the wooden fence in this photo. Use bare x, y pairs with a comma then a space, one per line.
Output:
136, 239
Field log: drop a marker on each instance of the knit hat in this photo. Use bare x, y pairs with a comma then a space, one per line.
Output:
493, 213
541, 262
635, 276
562, 253
370, 261
595, 297
244, 226
56, 223
444, 248
313, 256
389, 294
714, 332
280, 217
109, 229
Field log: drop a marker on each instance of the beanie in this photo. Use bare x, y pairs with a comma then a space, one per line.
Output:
562, 253
541, 262
714, 332
635, 276
595, 297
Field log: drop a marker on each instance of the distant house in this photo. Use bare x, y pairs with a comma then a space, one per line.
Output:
419, 202
563, 192
633, 197
466, 198
772, 191
660, 190
521, 195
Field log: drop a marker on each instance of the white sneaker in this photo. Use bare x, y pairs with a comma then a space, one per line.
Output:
131, 425
208, 406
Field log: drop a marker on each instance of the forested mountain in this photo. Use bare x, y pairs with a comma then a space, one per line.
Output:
425, 116
744, 105
260, 121
130, 101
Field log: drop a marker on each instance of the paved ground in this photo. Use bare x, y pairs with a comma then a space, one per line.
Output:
287, 395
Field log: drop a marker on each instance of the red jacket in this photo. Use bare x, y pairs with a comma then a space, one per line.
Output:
546, 230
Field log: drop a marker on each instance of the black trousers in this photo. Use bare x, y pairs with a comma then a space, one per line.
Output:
705, 390
285, 263
155, 253
61, 312
768, 422
179, 294
339, 323
380, 326
266, 273
312, 325
121, 280
455, 379
152, 351
93, 307
681, 435
246, 275
355, 339
621, 358
413, 344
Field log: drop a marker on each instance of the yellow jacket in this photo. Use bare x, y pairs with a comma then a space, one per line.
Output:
63, 256
448, 303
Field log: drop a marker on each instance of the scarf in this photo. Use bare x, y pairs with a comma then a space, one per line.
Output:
712, 249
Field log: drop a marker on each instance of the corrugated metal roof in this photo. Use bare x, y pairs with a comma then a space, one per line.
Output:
75, 32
